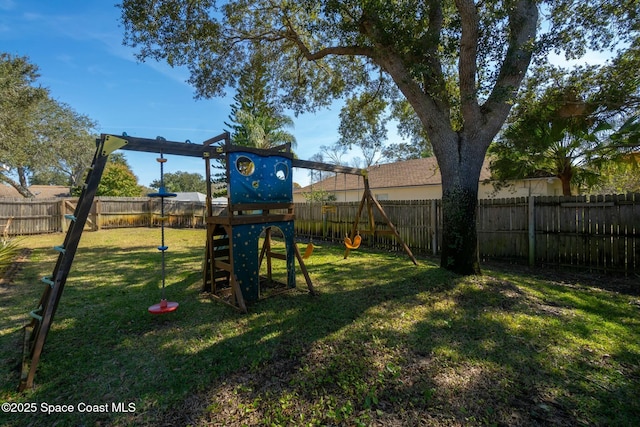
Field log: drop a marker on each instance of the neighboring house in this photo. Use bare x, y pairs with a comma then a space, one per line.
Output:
39, 191
192, 196
199, 197
419, 179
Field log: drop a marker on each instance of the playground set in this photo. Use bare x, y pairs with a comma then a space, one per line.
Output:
260, 201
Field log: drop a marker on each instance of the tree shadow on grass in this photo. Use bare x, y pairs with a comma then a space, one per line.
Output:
476, 356
382, 343
102, 337
105, 300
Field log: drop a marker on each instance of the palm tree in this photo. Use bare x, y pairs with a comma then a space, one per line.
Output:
265, 131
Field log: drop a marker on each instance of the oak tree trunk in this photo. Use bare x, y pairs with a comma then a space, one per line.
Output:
460, 176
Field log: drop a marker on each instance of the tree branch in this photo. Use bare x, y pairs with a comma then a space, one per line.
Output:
523, 20
327, 51
434, 118
430, 43
291, 34
24, 191
467, 61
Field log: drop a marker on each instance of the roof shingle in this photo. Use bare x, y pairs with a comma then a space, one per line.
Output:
40, 191
407, 173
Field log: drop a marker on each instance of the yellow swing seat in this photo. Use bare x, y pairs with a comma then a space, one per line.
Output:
308, 251
353, 245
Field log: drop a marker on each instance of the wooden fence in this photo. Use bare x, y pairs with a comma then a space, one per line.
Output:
601, 233
598, 232
48, 216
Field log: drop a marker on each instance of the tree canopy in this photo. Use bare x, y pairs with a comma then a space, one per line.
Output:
363, 124
39, 135
179, 182
458, 64
118, 180
572, 123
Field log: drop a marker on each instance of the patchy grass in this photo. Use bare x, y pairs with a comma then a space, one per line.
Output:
385, 343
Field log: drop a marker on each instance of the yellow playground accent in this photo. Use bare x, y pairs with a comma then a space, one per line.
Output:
355, 244
308, 251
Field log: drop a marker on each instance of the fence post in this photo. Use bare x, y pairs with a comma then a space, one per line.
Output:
63, 220
98, 215
532, 231
434, 226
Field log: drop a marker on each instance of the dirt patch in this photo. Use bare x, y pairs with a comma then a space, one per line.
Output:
14, 268
575, 278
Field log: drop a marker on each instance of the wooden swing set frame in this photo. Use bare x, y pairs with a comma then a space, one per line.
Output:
352, 241
35, 333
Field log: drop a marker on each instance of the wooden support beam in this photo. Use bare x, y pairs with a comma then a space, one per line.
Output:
250, 219
354, 230
260, 206
276, 255
395, 231
170, 147
237, 293
306, 164
223, 266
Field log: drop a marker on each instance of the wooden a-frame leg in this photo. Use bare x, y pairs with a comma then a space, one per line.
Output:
303, 268
237, 293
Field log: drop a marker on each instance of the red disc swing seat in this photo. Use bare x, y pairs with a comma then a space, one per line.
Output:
163, 306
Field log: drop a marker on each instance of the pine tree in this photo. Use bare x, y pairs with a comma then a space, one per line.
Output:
255, 120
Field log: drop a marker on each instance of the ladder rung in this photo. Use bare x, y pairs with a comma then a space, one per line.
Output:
60, 249
71, 217
48, 281
35, 315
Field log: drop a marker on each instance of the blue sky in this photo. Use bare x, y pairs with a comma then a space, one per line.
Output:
77, 44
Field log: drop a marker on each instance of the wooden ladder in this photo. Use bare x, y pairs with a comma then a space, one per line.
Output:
217, 250
35, 333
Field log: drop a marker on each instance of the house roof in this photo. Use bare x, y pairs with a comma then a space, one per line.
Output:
40, 191
49, 191
8, 191
407, 173
192, 196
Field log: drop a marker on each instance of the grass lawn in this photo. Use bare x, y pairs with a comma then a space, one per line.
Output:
384, 343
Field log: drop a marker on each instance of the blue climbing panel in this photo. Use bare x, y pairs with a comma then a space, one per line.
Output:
258, 179
246, 251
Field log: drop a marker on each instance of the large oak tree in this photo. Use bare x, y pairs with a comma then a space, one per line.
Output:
458, 64
38, 135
